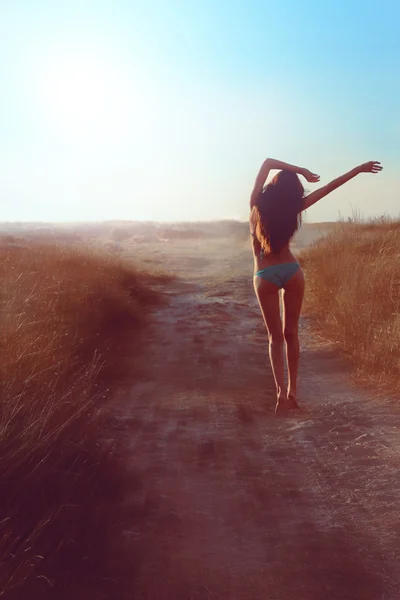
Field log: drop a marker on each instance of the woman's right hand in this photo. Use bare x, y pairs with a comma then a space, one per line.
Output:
372, 166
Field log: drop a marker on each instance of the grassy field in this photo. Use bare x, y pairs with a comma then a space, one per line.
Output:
68, 319
73, 309
353, 291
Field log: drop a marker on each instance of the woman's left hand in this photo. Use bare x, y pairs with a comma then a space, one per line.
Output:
311, 177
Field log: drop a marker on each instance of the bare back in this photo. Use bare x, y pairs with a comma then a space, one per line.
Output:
262, 260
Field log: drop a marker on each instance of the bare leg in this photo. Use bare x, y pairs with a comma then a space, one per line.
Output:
292, 354
276, 358
293, 299
268, 298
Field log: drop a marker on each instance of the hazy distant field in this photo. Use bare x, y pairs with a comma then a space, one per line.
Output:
151, 242
144, 231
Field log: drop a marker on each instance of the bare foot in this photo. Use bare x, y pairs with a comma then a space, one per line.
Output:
291, 402
281, 407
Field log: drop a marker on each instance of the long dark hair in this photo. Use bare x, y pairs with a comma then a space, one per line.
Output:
276, 215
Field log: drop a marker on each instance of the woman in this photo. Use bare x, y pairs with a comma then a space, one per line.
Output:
275, 217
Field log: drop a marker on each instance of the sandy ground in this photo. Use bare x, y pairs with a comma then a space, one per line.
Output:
228, 501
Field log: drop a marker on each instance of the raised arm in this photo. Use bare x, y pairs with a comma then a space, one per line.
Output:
368, 167
270, 164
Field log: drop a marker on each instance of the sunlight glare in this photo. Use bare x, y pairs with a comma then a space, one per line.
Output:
88, 97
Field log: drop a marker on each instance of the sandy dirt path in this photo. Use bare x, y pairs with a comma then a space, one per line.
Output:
230, 502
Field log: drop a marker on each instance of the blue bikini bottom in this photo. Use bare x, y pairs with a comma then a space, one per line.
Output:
278, 274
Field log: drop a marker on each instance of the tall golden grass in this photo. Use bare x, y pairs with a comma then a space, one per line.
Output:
353, 290
66, 315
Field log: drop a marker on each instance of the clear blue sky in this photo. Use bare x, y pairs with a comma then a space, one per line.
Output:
165, 110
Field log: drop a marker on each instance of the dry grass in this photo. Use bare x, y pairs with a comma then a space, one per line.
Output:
66, 316
353, 279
